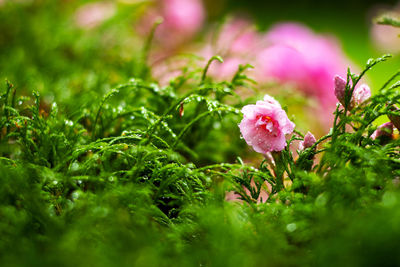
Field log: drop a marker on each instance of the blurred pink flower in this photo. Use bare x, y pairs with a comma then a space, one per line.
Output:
183, 16
309, 141
264, 125
296, 55
93, 14
385, 37
182, 19
237, 37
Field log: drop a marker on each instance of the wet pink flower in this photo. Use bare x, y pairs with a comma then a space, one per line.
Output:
295, 55
264, 125
93, 14
309, 141
384, 130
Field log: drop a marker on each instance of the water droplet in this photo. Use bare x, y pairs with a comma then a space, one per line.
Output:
291, 227
217, 125
75, 195
74, 166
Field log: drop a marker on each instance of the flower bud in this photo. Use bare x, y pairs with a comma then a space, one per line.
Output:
340, 89
395, 119
360, 94
384, 132
309, 141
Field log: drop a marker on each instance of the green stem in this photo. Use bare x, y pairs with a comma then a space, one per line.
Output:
279, 169
203, 77
187, 127
147, 46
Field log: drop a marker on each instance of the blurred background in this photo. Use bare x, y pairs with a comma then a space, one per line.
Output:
352, 22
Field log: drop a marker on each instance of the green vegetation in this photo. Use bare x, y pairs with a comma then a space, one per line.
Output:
102, 166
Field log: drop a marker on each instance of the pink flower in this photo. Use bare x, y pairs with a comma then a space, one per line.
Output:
385, 37
385, 130
93, 14
309, 141
265, 125
183, 16
360, 93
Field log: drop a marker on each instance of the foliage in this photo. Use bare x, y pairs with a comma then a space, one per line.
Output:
98, 173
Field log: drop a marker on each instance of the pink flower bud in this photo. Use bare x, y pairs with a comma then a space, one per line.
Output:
384, 130
361, 94
395, 119
265, 125
340, 87
309, 141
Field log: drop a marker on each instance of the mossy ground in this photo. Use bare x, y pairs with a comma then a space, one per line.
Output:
102, 166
